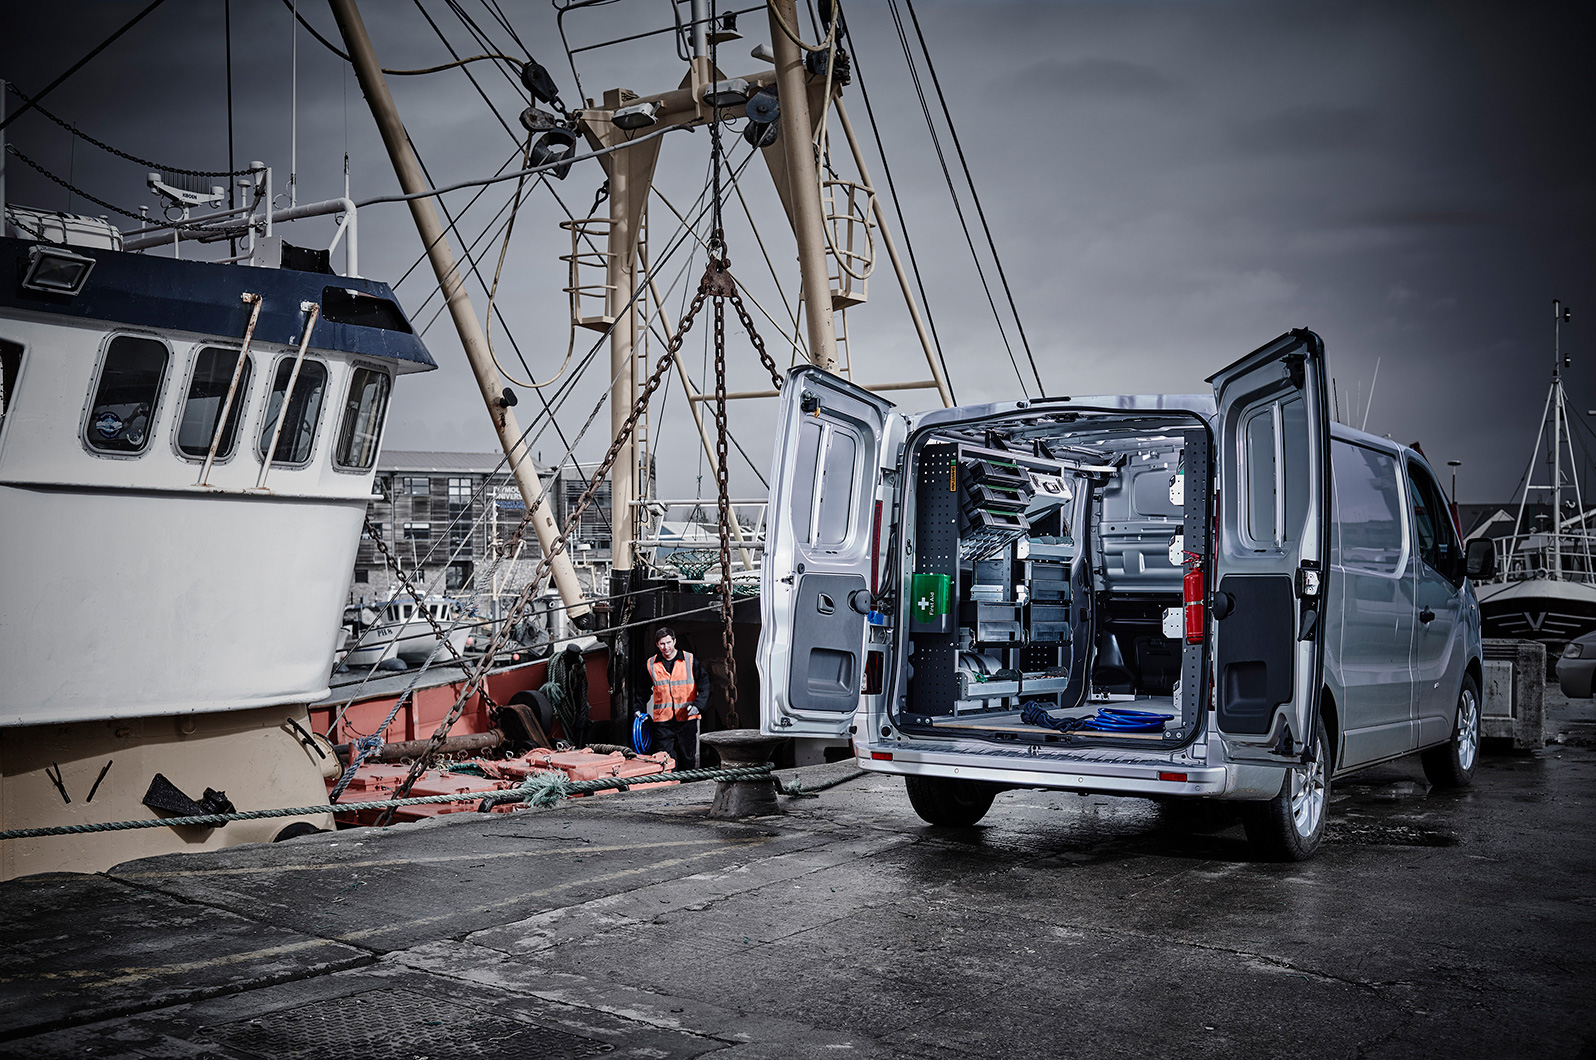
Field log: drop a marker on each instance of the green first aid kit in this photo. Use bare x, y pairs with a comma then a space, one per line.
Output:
928, 606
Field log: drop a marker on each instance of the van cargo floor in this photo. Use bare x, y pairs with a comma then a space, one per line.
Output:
1009, 721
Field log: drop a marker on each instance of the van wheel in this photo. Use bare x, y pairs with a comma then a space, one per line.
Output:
949, 802
1290, 826
1451, 765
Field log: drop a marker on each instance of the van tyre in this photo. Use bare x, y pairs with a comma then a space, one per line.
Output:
950, 802
1290, 826
1451, 765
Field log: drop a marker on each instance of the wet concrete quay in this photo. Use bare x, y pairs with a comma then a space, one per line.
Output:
1455, 925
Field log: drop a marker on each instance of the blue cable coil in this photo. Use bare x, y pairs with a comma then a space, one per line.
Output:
1107, 719
642, 734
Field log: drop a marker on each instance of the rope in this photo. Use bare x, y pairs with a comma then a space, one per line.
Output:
536, 789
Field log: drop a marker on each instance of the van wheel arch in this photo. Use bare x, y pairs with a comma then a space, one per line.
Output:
1332, 727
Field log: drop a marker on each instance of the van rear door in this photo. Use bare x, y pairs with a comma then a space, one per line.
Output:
831, 437
1270, 559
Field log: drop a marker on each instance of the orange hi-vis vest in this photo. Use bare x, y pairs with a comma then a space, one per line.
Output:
672, 695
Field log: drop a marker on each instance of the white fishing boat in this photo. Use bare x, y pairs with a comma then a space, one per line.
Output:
140, 398
402, 631
1547, 591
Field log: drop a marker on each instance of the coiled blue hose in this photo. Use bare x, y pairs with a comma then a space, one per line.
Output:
642, 734
1107, 719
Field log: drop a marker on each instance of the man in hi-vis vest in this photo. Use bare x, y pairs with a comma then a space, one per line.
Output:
678, 691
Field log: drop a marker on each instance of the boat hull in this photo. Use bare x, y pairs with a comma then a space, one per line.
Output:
1540, 609
105, 768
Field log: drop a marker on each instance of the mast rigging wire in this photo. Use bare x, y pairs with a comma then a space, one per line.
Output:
897, 207
975, 196
75, 67
958, 208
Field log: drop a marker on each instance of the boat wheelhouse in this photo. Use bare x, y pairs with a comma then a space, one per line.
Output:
203, 582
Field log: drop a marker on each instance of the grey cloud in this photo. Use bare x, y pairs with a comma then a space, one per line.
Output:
1095, 77
1306, 128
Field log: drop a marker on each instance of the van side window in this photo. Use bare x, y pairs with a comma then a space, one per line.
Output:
123, 408
363, 413
304, 411
1276, 497
1368, 535
823, 483
207, 391
1432, 521
10, 368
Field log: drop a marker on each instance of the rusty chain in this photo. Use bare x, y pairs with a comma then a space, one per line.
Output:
397, 571
724, 285
478, 675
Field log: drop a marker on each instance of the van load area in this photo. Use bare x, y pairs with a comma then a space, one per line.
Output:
1049, 582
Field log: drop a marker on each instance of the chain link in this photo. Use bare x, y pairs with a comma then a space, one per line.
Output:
727, 636
146, 163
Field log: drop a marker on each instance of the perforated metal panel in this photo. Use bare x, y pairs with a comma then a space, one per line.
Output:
936, 551
1199, 520
398, 1023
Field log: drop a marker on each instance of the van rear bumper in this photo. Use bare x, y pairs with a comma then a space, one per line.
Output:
1115, 778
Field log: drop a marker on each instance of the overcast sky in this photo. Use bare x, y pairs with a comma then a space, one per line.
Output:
1169, 185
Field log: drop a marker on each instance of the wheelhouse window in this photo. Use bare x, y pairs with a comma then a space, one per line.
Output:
364, 412
304, 412
125, 397
207, 393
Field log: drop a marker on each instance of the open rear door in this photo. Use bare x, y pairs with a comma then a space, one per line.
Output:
816, 588
1271, 555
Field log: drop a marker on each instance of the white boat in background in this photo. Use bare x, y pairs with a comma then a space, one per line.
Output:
1547, 590
401, 631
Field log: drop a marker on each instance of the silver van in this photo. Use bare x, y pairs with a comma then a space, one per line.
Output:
1179, 597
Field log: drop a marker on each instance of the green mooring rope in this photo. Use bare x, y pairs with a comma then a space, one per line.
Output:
542, 789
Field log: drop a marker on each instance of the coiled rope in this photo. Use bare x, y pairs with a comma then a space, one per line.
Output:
542, 789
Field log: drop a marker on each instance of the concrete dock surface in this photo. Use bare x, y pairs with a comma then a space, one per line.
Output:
631, 925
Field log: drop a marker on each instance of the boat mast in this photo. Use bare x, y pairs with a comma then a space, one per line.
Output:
489, 381
797, 132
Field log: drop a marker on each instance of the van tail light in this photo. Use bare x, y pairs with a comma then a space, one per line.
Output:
1178, 778
881, 756
875, 554
1194, 604
872, 672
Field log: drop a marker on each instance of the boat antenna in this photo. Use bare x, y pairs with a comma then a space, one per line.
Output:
1365, 425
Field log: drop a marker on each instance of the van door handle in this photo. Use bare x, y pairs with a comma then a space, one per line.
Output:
1426, 616
825, 604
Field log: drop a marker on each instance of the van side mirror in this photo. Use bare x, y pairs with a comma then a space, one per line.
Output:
1481, 562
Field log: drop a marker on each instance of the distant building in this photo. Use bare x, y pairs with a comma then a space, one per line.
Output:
443, 517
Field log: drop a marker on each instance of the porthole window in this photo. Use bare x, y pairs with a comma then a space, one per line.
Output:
126, 394
304, 412
364, 411
207, 393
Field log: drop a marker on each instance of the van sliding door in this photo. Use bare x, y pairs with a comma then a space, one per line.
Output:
1270, 560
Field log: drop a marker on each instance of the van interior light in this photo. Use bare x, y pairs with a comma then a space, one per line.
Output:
56, 270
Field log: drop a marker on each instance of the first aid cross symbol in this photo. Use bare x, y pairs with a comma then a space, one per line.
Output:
924, 603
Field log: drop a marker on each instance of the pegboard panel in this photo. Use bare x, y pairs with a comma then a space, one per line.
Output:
936, 551
1197, 534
